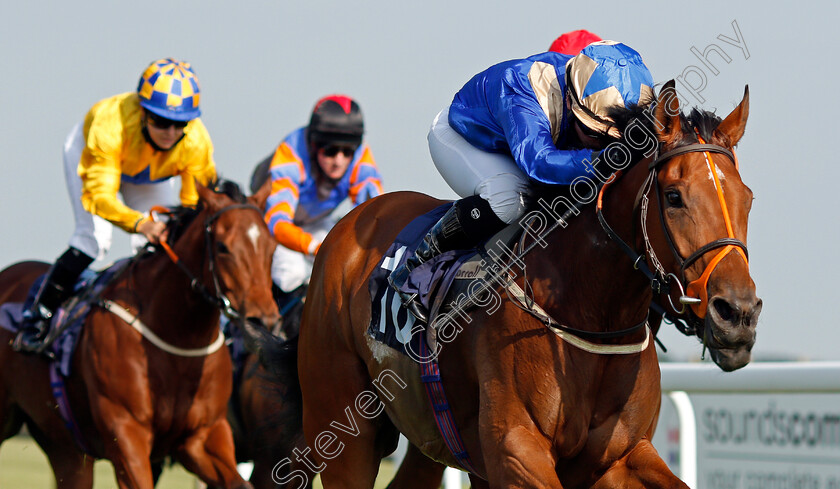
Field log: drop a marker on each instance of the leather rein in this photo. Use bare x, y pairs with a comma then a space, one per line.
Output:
693, 294
217, 297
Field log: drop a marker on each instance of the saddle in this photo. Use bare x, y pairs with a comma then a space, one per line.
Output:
66, 323
449, 284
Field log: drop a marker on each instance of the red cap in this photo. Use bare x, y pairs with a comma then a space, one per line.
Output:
572, 42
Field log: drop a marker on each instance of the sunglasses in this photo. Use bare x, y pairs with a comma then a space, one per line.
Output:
164, 123
334, 149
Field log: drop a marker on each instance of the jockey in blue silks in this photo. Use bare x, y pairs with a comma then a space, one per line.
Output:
522, 121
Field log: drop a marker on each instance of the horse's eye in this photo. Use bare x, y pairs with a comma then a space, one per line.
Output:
222, 248
674, 198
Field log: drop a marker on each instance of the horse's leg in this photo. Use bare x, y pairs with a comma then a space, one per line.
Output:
209, 454
641, 468
128, 445
157, 470
417, 471
72, 468
261, 475
477, 482
520, 458
334, 384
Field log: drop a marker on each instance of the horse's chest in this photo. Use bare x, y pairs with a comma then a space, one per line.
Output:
188, 399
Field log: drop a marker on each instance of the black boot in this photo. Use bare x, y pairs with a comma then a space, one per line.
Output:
57, 287
466, 224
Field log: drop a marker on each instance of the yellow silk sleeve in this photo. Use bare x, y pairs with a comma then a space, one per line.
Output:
100, 170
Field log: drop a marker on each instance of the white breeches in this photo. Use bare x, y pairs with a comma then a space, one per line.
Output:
291, 269
471, 171
93, 235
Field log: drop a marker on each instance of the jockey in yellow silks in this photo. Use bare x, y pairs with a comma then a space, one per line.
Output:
129, 145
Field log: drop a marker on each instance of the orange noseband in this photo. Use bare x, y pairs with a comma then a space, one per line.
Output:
698, 288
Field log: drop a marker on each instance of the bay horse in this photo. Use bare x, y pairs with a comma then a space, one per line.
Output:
562, 388
264, 410
137, 398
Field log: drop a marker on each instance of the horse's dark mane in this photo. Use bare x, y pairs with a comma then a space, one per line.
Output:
623, 117
704, 121
181, 216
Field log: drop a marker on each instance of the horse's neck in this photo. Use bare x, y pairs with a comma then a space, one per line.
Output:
591, 280
164, 290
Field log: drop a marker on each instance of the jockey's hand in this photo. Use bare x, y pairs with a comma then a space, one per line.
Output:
313, 248
154, 231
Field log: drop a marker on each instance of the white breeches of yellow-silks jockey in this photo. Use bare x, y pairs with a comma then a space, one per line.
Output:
471, 171
93, 235
291, 269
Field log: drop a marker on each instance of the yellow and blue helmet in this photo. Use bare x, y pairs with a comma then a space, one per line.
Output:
604, 75
169, 89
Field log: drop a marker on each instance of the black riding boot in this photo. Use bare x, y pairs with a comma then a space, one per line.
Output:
57, 287
467, 223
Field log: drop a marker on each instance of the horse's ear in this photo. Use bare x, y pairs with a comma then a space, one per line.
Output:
668, 114
210, 198
732, 128
259, 198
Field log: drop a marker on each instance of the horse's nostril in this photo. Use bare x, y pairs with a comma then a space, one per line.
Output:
723, 309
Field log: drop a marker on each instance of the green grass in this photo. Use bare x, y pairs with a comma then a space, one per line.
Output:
24, 466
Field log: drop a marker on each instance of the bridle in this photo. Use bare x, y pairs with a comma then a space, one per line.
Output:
216, 297
694, 293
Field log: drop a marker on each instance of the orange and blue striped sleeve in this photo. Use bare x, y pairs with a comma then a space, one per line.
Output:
365, 181
287, 173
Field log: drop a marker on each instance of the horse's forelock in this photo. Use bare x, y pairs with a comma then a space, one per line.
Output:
703, 121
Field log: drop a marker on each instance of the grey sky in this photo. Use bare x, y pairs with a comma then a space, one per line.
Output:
262, 64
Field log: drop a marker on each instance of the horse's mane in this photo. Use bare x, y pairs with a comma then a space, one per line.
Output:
703, 121
181, 217
698, 121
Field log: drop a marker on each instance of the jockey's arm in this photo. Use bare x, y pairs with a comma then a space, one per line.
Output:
295, 238
101, 176
365, 179
286, 175
529, 135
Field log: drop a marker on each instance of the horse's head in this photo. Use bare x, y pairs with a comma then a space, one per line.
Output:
704, 207
240, 248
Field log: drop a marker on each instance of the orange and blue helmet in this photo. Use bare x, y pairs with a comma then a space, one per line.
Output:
169, 88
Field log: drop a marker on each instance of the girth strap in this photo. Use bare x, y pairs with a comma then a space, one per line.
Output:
430, 376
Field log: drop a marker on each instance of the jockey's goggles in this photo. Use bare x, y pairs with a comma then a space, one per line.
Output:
333, 149
163, 123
